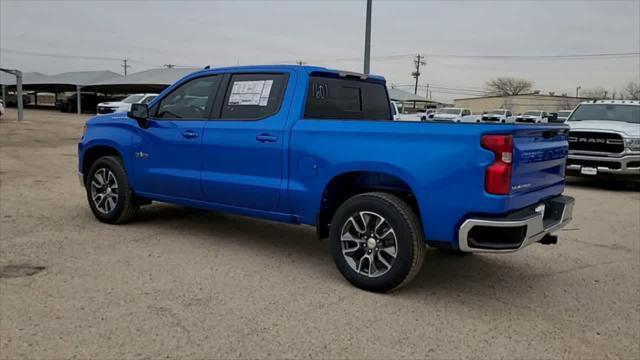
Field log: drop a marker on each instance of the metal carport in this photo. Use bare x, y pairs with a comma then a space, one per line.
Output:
68, 81
148, 81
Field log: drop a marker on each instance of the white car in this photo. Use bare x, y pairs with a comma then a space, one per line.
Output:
125, 104
533, 116
452, 114
1, 107
497, 116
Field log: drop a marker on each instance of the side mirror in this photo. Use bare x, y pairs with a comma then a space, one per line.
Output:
553, 117
140, 113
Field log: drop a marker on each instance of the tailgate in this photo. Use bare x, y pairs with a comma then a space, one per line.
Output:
539, 157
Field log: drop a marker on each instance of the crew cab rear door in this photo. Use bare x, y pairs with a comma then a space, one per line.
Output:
244, 144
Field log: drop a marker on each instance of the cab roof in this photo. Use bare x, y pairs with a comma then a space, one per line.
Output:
306, 68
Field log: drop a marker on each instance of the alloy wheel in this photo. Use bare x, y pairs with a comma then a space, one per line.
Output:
369, 243
104, 190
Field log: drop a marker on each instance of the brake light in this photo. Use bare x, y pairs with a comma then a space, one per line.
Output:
498, 175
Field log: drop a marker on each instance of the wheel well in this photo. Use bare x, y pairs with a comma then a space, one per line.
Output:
93, 154
347, 185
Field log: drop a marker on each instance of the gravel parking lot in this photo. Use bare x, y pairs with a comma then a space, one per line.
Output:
185, 283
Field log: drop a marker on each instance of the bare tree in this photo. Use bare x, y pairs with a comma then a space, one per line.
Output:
632, 89
594, 93
507, 86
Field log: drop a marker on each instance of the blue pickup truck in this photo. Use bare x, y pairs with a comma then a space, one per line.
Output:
310, 145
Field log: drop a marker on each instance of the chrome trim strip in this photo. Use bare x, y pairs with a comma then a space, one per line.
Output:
81, 178
534, 224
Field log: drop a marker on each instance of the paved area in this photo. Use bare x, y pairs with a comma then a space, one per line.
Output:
182, 283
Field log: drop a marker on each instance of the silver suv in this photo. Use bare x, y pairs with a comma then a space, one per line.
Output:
605, 139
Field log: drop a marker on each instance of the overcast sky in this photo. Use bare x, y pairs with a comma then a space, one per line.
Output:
331, 33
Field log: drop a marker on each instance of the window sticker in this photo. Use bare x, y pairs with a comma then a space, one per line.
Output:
250, 92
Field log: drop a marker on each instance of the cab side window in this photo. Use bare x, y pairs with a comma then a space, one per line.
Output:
253, 96
192, 100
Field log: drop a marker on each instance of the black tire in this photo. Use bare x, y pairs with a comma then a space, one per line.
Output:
409, 238
126, 204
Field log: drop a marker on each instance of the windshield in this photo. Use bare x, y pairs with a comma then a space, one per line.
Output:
564, 113
132, 99
449, 111
609, 112
498, 112
532, 113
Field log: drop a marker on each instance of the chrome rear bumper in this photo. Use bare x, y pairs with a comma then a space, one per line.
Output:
625, 165
517, 230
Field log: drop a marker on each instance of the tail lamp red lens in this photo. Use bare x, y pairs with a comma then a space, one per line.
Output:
498, 175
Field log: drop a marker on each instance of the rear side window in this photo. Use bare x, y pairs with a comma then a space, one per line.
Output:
253, 96
353, 99
192, 100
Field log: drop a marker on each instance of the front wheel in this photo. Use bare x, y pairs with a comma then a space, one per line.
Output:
108, 192
376, 241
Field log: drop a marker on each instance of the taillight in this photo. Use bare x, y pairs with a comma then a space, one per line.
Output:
498, 175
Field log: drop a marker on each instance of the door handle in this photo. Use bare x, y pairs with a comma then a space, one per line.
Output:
265, 138
190, 134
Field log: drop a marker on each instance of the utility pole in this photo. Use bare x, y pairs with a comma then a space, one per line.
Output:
367, 39
19, 105
416, 74
578, 90
427, 94
125, 66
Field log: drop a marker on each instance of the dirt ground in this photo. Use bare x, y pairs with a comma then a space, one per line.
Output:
183, 283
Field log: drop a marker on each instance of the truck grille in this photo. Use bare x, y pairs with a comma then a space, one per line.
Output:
596, 141
105, 110
490, 118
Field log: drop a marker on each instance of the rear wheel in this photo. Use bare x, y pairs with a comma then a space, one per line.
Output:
108, 192
376, 241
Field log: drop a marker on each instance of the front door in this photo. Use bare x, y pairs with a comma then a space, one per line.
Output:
167, 156
243, 147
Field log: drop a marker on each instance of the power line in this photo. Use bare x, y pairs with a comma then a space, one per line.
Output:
33, 53
490, 57
83, 57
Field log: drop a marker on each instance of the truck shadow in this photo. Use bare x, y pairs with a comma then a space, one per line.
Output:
443, 273
603, 184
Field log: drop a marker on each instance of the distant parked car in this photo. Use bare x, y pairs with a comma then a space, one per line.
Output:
1, 107
533, 116
563, 115
394, 110
124, 105
89, 101
12, 100
604, 140
497, 116
451, 114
